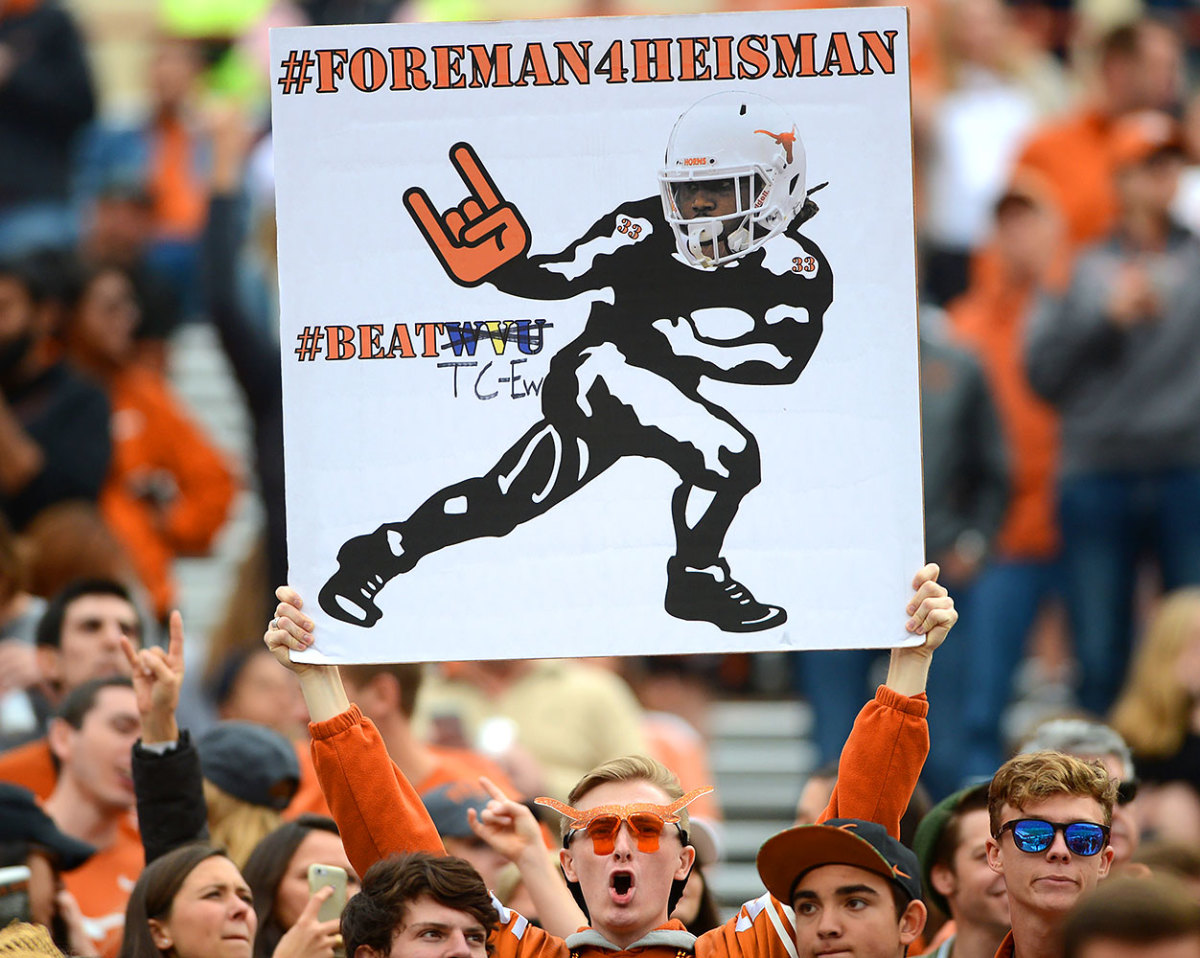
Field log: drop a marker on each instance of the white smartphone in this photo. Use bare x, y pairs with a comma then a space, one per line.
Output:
318, 877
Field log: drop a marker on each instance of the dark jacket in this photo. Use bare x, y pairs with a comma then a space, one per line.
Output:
965, 461
68, 417
44, 102
170, 797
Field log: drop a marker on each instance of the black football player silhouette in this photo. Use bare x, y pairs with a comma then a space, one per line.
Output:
712, 279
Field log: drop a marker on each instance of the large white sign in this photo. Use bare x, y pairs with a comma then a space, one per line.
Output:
599, 335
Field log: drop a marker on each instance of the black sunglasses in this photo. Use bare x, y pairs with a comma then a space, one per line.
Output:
1127, 791
1035, 835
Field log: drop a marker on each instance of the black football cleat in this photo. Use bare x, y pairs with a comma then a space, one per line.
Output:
710, 594
365, 565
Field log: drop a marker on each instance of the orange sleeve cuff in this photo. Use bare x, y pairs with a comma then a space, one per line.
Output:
339, 723
917, 705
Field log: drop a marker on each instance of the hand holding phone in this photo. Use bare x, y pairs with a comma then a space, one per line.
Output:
321, 876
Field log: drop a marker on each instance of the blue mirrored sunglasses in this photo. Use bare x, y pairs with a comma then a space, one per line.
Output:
1035, 835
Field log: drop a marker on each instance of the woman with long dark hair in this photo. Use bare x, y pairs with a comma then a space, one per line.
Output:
277, 872
190, 903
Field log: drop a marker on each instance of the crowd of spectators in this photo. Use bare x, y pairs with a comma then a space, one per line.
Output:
1058, 190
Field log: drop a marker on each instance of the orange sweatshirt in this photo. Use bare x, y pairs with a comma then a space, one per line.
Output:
878, 771
990, 317
153, 440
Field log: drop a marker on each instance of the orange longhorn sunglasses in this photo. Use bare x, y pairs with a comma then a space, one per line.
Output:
646, 821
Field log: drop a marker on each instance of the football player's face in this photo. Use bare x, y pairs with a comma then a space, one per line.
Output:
706, 198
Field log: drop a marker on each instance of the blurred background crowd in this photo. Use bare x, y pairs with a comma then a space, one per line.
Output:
1057, 152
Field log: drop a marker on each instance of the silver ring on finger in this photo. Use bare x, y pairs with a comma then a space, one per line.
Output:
274, 625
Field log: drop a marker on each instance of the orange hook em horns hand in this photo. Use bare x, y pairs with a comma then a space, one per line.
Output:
479, 235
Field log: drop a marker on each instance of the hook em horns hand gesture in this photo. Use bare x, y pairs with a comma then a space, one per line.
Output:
479, 235
157, 677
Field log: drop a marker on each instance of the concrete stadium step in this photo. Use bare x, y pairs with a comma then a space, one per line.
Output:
200, 375
761, 754
734, 884
770, 718
783, 756
742, 836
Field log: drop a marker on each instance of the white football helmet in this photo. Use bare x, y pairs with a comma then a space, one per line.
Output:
750, 140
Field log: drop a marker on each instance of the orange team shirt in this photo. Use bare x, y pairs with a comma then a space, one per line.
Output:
152, 435
30, 766
879, 767
1072, 157
102, 885
991, 318
180, 202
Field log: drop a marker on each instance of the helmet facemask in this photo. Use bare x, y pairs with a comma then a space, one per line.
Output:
742, 228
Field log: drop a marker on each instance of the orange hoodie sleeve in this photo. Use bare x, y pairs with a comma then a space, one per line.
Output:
377, 811
881, 760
